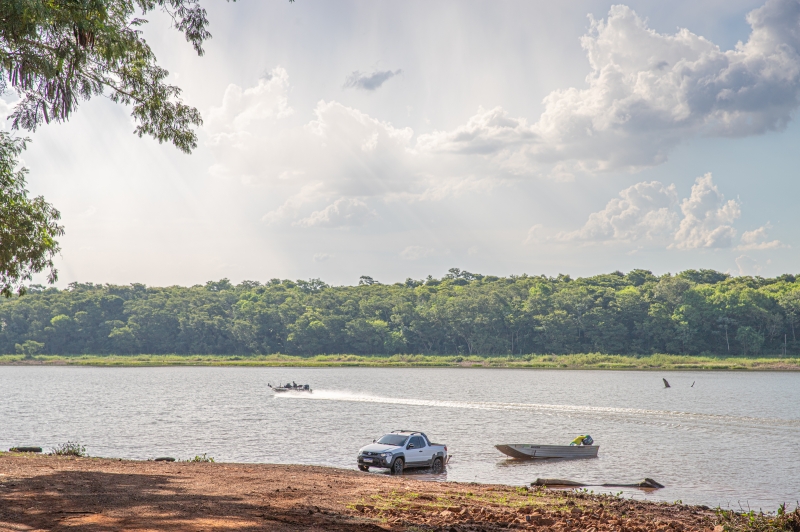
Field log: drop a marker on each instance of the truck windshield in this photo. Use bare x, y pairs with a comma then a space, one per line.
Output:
393, 439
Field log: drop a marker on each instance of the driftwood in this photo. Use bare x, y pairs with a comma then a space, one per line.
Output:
666, 384
164, 459
25, 450
647, 483
556, 482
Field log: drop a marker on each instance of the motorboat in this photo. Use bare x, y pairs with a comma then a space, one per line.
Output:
526, 451
290, 387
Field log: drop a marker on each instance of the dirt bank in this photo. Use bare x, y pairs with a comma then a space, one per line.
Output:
51, 493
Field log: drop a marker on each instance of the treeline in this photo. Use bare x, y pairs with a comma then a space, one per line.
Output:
693, 312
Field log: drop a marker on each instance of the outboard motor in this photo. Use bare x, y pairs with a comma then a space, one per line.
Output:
588, 440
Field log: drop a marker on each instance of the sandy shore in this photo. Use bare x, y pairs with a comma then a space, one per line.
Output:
53, 493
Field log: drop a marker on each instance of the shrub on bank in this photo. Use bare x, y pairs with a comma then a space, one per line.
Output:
69, 449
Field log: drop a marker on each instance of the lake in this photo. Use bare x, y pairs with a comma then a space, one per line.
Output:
716, 438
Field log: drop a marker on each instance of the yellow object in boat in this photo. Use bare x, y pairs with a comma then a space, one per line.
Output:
578, 440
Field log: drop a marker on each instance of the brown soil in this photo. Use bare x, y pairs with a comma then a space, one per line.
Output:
53, 493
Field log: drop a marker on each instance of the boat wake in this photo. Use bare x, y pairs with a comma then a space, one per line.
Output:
629, 414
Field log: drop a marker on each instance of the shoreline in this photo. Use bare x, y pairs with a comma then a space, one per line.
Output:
48, 492
573, 362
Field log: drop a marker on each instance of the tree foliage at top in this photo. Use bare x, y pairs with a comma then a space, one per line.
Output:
56, 53
697, 312
29, 227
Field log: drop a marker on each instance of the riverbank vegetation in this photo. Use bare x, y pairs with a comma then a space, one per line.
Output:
576, 361
699, 313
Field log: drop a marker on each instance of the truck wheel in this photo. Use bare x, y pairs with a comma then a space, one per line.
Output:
363, 468
397, 467
436, 466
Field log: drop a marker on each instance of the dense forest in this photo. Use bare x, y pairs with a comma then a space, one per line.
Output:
693, 312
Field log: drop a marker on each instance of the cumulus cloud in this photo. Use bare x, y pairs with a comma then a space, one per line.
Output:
748, 265
415, 252
650, 213
757, 240
536, 234
325, 168
323, 257
707, 218
240, 108
646, 92
343, 212
487, 132
308, 194
348, 151
369, 82
644, 211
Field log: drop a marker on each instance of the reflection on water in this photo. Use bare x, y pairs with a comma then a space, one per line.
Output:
728, 441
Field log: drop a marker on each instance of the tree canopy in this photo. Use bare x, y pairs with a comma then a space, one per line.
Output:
694, 312
55, 54
28, 227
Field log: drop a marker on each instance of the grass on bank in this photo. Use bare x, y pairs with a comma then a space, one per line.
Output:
577, 361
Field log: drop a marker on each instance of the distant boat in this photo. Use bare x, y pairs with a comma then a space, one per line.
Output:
291, 388
545, 452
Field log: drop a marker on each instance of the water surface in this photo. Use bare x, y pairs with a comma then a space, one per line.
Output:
732, 439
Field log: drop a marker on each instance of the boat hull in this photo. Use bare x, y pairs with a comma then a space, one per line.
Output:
547, 452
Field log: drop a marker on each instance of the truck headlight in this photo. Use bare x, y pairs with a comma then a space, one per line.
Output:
386, 455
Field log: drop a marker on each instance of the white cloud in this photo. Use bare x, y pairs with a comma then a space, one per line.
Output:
489, 131
370, 82
343, 212
707, 218
748, 265
241, 108
307, 194
757, 240
644, 211
349, 152
324, 169
415, 252
650, 213
646, 93
536, 234
355, 154
323, 257
437, 188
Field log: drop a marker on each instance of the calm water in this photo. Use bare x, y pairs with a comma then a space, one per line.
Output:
731, 440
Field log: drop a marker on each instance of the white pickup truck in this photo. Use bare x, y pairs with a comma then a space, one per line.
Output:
403, 449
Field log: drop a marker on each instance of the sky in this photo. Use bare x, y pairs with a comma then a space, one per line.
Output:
399, 139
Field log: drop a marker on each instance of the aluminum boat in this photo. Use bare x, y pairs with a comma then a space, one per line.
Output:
543, 452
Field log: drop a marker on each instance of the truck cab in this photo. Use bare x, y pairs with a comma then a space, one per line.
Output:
403, 449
